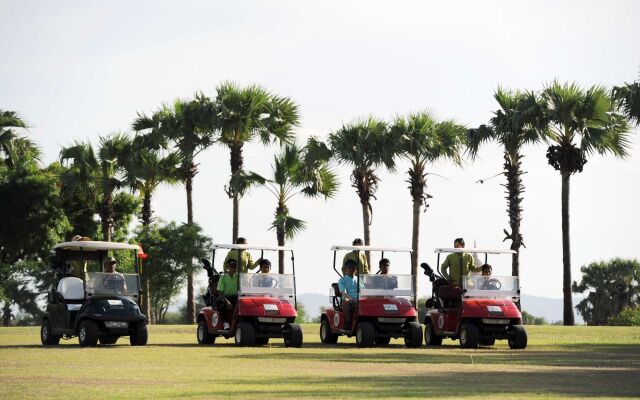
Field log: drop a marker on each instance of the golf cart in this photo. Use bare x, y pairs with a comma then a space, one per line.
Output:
266, 305
385, 309
95, 306
479, 312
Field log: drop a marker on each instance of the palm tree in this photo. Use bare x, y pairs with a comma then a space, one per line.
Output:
579, 123
188, 126
296, 171
423, 140
146, 167
364, 146
242, 115
514, 125
628, 98
13, 147
96, 178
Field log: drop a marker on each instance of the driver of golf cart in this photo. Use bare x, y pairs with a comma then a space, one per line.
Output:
246, 261
261, 280
349, 291
114, 280
457, 265
356, 256
227, 290
382, 280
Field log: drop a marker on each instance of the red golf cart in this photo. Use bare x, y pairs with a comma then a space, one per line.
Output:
265, 308
385, 309
480, 311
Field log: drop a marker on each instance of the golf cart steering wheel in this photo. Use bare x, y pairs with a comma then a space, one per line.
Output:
260, 279
492, 284
114, 282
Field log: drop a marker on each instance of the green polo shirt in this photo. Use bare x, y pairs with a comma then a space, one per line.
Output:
355, 255
457, 265
246, 261
228, 285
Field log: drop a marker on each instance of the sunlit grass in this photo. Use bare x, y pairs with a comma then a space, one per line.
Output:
559, 362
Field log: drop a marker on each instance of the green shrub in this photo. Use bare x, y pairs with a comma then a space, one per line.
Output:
629, 316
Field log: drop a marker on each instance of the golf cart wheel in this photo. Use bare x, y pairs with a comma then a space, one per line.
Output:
139, 335
293, 336
245, 334
382, 341
413, 335
365, 334
430, 337
88, 333
518, 337
108, 340
487, 341
326, 336
469, 336
46, 337
204, 337
261, 341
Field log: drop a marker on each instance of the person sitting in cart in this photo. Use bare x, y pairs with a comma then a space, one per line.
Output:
115, 281
382, 280
349, 291
246, 261
457, 265
227, 290
261, 280
356, 256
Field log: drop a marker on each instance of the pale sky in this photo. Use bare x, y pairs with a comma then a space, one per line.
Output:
79, 69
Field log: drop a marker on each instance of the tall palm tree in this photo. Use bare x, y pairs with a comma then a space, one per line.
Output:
146, 168
514, 125
580, 123
187, 125
628, 98
296, 171
364, 146
242, 115
423, 140
14, 147
96, 177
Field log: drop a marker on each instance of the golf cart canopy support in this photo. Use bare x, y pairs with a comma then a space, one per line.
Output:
472, 251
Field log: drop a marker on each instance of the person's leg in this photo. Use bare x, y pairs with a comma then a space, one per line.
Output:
346, 308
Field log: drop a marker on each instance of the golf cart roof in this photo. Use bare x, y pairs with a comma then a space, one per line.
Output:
471, 251
250, 247
95, 246
372, 248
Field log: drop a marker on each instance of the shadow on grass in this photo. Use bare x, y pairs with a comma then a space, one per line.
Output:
567, 382
612, 356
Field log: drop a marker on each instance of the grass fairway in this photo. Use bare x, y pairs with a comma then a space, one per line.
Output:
560, 362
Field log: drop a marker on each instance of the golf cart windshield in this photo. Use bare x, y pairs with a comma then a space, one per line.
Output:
386, 285
259, 284
102, 283
491, 287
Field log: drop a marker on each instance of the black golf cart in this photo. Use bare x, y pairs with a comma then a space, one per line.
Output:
95, 306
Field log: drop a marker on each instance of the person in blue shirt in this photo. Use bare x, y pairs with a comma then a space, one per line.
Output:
349, 291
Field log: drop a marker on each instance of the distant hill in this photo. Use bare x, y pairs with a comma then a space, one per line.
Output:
549, 308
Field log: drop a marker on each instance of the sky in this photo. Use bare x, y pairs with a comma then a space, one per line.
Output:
76, 70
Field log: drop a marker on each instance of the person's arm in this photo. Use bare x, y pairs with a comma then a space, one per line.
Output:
226, 259
344, 263
220, 287
250, 263
472, 264
365, 264
343, 289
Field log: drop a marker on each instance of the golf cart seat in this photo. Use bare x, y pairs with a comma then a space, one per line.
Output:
72, 291
337, 297
448, 292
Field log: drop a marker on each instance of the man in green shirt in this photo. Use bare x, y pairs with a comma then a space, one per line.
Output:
245, 259
457, 265
357, 257
227, 290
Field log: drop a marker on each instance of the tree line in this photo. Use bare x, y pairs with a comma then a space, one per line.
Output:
115, 179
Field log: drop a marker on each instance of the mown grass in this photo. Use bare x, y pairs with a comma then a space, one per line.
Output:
569, 362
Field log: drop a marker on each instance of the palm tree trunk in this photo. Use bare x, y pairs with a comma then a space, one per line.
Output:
6, 313
415, 241
366, 219
566, 252
191, 306
236, 167
146, 221
513, 172
106, 218
280, 234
